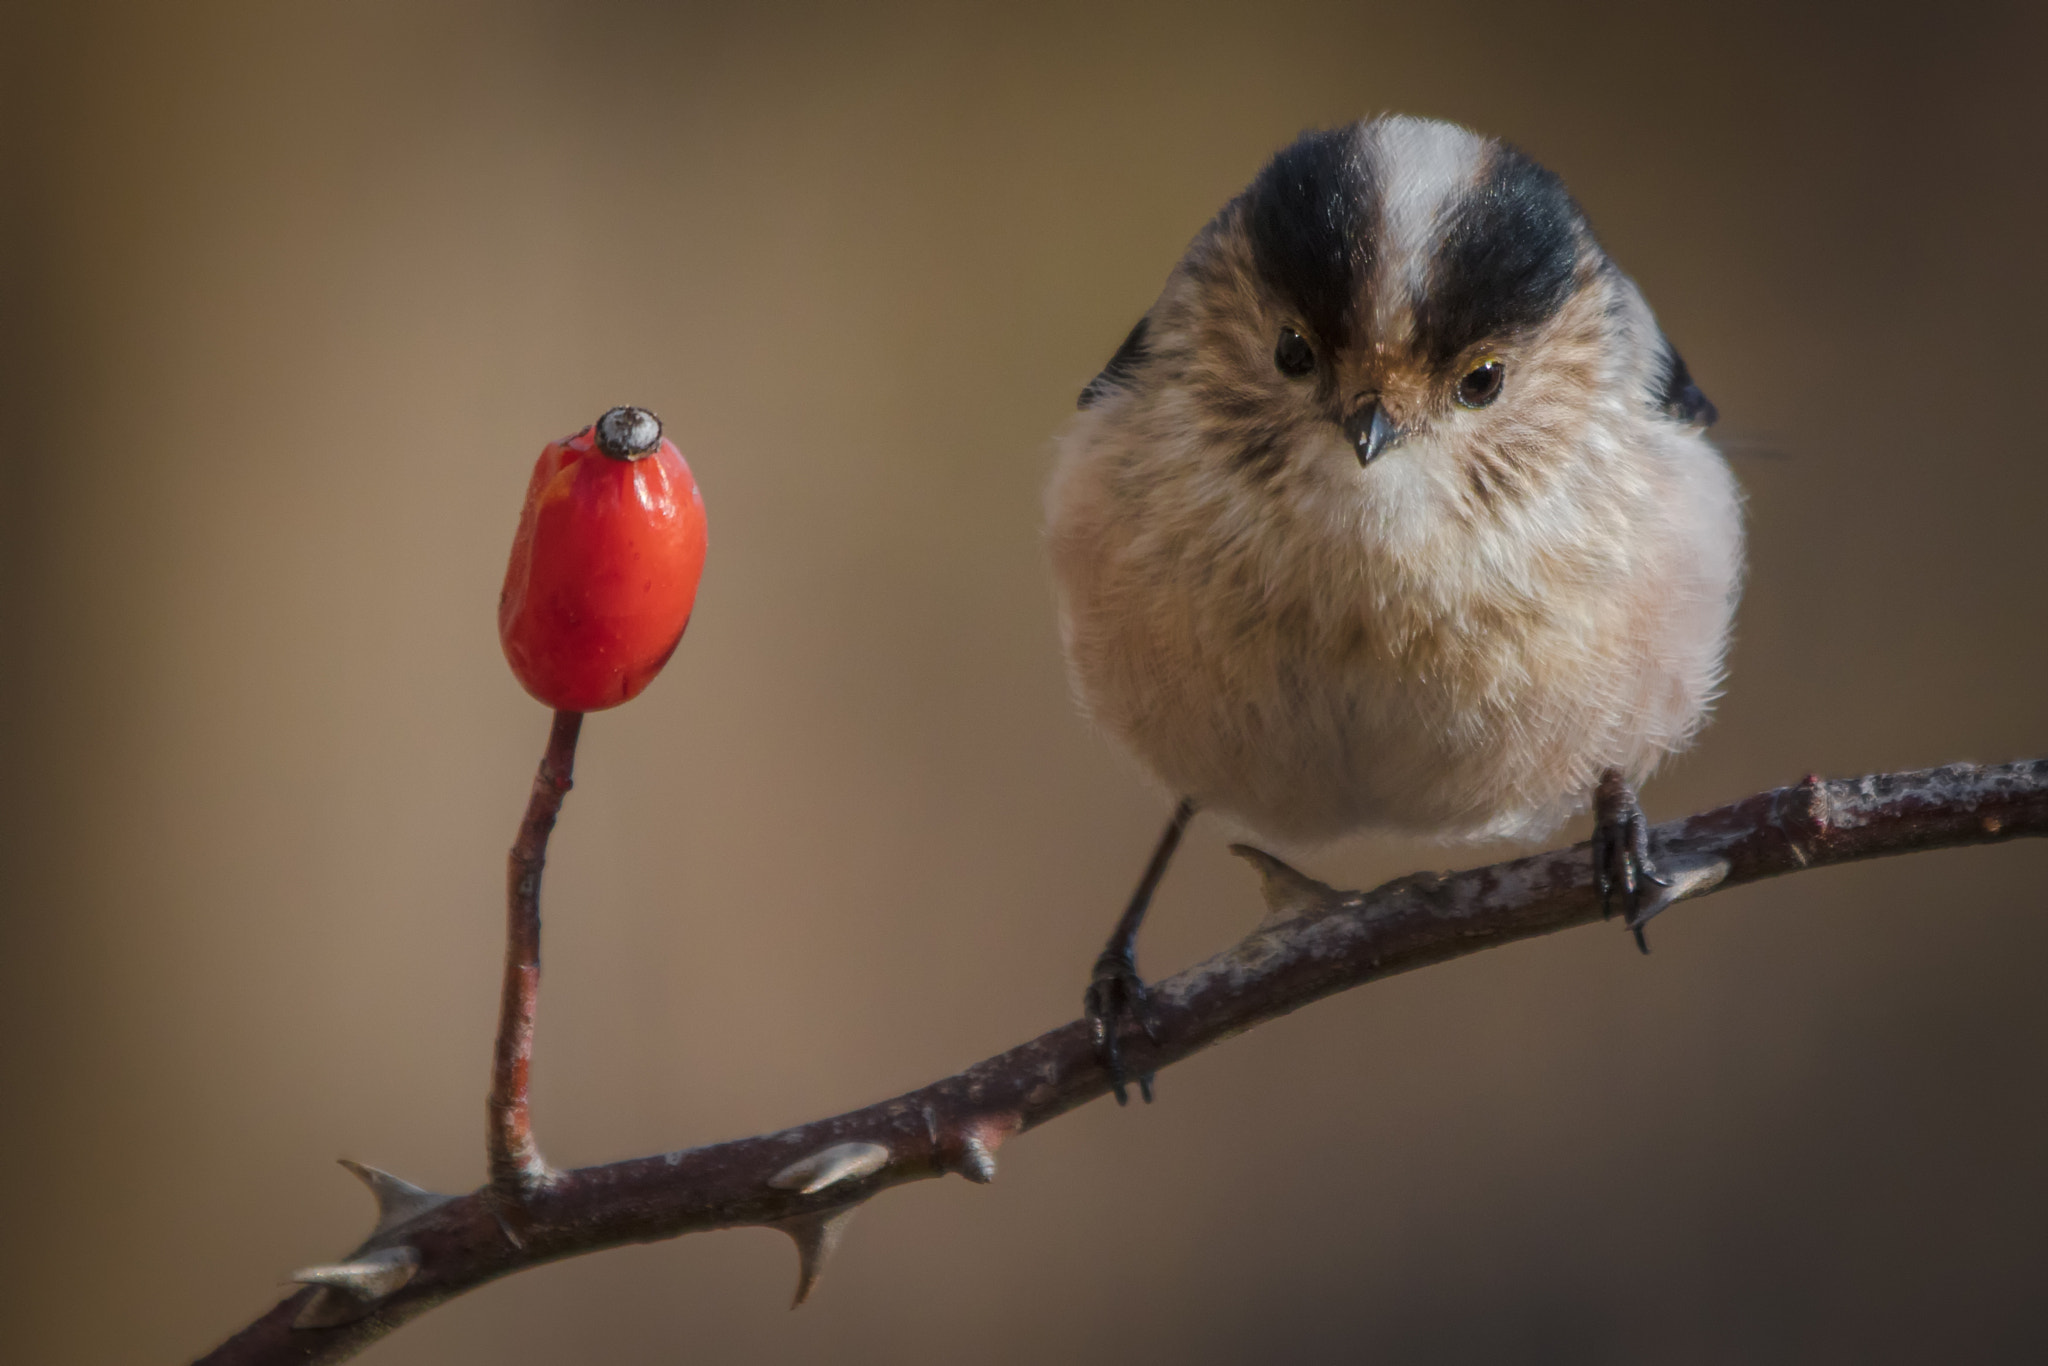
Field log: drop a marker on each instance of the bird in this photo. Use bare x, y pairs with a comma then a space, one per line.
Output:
1396, 512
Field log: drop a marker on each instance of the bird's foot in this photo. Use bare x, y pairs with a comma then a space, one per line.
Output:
1623, 870
1116, 995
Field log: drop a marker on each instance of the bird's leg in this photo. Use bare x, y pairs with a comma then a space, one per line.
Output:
1115, 992
1622, 868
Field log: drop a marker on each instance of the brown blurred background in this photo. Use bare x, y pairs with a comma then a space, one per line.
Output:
294, 293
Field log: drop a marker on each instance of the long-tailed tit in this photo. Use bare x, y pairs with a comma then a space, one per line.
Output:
1395, 512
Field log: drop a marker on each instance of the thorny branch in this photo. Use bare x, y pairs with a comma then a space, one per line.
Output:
806, 1181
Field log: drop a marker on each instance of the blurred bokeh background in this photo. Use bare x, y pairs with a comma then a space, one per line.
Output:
290, 297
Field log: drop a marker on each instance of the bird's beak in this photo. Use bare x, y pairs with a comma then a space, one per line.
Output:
1370, 430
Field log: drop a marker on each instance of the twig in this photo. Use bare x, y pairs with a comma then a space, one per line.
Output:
516, 1166
1318, 942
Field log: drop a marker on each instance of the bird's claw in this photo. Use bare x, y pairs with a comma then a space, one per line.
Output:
1623, 870
1117, 994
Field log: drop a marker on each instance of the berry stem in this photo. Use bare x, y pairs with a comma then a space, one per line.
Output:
516, 1165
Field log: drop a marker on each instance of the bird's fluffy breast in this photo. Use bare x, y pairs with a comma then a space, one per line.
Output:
1456, 639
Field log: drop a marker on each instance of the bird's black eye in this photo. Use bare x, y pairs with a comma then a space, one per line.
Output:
1482, 382
1294, 355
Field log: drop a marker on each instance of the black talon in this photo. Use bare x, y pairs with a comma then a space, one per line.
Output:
1115, 996
1622, 866
1116, 993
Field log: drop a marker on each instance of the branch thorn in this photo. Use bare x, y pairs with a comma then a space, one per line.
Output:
1685, 878
977, 1159
830, 1166
816, 1237
348, 1290
399, 1201
1289, 892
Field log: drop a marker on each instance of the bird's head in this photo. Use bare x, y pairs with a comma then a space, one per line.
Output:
1398, 293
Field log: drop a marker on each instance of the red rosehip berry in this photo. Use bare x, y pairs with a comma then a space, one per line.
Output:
604, 566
